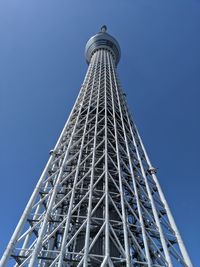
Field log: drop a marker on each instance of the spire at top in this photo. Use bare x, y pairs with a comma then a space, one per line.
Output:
104, 28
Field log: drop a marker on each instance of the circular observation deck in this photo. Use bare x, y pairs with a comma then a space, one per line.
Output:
102, 40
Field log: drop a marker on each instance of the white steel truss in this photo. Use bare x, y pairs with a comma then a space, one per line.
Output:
98, 201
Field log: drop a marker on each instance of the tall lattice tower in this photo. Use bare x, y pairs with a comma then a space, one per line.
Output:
98, 201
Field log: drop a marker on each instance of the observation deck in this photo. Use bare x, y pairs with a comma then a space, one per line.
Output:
102, 40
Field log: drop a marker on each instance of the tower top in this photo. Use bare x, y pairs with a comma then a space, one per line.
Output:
102, 40
104, 28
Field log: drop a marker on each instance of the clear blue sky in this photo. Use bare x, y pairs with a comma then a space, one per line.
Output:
42, 66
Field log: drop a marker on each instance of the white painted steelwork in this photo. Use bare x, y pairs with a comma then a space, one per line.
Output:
98, 201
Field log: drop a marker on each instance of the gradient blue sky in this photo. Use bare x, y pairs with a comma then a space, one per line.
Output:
42, 66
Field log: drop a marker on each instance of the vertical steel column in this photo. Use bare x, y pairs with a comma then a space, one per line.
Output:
155, 214
68, 218
107, 232
163, 241
89, 211
168, 211
124, 216
132, 173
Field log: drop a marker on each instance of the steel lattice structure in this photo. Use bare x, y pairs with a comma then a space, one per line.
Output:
98, 201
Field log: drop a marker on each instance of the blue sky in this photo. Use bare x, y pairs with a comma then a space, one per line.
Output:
42, 66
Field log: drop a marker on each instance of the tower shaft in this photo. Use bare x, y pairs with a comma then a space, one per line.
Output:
98, 201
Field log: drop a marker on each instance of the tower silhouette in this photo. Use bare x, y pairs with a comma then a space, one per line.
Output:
98, 201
